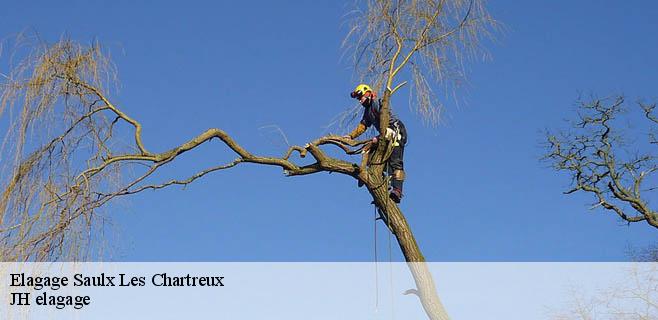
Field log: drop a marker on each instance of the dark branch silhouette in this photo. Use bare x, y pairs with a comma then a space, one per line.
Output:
595, 154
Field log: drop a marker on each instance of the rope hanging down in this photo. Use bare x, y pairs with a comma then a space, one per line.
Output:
380, 214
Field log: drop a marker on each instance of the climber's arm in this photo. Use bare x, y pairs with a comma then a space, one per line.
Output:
360, 129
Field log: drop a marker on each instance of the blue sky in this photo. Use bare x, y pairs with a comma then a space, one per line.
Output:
476, 190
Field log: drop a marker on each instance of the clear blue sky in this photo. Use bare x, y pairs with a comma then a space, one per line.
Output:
475, 190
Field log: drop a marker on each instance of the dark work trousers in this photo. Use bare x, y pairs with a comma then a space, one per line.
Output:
395, 162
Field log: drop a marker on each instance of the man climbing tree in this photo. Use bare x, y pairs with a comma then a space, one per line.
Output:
67, 159
395, 131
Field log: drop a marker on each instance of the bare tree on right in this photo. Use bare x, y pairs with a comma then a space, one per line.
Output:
634, 299
604, 159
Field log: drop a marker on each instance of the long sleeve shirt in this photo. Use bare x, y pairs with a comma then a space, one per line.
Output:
370, 117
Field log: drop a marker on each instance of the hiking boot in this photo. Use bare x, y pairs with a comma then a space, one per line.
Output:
396, 195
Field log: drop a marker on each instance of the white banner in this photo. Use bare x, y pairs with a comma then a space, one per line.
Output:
308, 290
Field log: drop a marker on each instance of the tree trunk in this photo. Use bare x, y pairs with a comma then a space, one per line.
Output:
425, 288
378, 188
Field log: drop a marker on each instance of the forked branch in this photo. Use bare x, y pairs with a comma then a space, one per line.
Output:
49, 202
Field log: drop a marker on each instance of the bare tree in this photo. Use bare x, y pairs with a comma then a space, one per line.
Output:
604, 161
634, 299
425, 41
643, 254
68, 160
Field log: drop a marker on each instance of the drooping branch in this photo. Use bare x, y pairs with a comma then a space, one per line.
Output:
156, 160
434, 37
595, 156
55, 187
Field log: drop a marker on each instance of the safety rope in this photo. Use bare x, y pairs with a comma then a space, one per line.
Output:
376, 266
383, 214
390, 265
379, 214
390, 248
